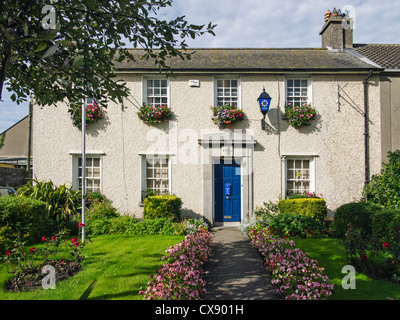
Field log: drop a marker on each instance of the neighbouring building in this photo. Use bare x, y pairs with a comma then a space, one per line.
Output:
14, 141
224, 174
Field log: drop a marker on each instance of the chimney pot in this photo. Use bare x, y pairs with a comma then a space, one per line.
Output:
337, 32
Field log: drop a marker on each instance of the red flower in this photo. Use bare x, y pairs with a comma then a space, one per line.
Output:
363, 257
43, 238
8, 252
73, 240
81, 225
32, 249
385, 244
76, 243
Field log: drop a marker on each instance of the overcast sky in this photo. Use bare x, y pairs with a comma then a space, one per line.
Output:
266, 24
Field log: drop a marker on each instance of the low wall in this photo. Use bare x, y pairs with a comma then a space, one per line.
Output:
10, 177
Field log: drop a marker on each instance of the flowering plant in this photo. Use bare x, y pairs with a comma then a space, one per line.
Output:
297, 276
226, 114
26, 265
181, 277
299, 116
93, 113
154, 114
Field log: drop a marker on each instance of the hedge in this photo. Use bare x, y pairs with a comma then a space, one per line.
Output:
24, 217
369, 218
311, 207
164, 206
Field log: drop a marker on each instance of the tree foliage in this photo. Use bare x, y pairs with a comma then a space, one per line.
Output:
72, 57
384, 188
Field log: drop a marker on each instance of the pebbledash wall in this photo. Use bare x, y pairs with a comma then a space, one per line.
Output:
334, 142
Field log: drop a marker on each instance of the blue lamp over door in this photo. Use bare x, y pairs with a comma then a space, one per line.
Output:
264, 100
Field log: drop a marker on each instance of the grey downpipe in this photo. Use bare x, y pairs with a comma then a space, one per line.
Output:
366, 127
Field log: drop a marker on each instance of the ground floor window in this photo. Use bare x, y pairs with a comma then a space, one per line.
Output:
299, 175
93, 173
156, 175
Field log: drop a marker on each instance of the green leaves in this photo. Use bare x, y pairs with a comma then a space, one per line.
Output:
384, 188
50, 51
87, 33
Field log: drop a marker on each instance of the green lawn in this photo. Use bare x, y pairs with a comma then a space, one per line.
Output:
121, 264
329, 255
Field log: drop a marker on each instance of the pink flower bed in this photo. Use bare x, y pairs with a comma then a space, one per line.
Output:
181, 277
297, 276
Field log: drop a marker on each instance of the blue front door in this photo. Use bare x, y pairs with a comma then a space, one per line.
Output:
227, 191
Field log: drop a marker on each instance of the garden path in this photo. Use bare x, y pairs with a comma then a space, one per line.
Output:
235, 270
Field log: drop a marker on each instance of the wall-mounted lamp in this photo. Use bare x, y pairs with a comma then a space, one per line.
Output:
264, 100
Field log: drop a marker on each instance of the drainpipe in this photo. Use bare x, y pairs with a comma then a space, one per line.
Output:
366, 127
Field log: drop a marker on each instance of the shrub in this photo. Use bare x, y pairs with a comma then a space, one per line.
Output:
163, 226
358, 214
312, 207
62, 202
101, 210
261, 217
164, 206
384, 188
93, 198
24, 217
293, 225
370, 235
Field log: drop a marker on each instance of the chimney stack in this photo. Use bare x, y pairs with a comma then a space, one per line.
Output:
337, 32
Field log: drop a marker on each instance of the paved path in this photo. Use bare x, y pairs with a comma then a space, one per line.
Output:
235, 270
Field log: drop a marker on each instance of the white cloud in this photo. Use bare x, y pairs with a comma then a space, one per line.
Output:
289, 23
266, 23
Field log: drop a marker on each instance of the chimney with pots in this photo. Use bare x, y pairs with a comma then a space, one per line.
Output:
337, 32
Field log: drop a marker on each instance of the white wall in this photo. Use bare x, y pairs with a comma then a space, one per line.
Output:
337, 139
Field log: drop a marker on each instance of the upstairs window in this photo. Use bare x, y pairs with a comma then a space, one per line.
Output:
298, 91
227, 91
157, 92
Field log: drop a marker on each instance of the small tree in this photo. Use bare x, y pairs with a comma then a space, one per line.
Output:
384, 188
65, 50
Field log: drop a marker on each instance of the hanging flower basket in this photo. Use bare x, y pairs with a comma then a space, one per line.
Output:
154, 114
93, 113
224, 115
299, 116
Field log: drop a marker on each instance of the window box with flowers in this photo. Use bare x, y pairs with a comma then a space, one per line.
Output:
226, 114
154, 114
93, 113
299, 116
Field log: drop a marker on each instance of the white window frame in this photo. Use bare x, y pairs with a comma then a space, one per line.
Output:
239, 88
145, 79
312, 173
309, 87
75, 169
144, 158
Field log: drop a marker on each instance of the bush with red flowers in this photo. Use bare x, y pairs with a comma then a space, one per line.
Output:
26, 264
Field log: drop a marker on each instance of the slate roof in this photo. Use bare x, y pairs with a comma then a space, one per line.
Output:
386, 55
252, 60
